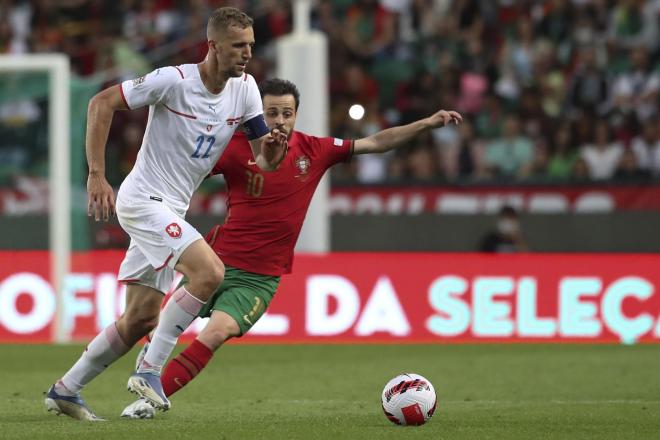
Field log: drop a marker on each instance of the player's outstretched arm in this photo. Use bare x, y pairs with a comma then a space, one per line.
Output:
100, 196
394, 137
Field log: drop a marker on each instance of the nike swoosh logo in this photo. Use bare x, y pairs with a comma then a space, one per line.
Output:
251, 162
178, 382
246, 319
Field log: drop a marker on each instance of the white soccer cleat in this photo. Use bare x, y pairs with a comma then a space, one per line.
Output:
140, 409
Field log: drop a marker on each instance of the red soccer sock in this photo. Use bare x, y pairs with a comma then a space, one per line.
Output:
183, 368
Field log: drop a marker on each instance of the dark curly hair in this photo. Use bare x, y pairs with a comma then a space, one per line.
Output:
280, 87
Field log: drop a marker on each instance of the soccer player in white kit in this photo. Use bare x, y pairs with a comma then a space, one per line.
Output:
194, 110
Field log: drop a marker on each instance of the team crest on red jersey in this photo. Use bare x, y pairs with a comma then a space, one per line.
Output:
173, 230
303, 163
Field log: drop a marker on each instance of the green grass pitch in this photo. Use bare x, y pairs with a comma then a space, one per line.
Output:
333, 392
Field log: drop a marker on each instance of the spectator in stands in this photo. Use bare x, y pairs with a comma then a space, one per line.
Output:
580, 171
540, 162
633, 23
462, 159
396, 167
518, 52
422, 162
355, 85
368, 30
563, 153
588, 88
646, 146
490, 118
557, 21
603, 155
507, 235
628, 168
511, 155
636, 89
534, 121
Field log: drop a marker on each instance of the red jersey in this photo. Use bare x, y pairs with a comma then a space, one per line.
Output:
266, 209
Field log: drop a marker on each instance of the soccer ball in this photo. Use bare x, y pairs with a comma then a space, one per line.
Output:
408, 399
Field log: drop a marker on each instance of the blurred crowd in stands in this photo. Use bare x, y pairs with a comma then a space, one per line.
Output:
551, 91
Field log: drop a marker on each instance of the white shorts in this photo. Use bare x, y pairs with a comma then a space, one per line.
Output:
158, 238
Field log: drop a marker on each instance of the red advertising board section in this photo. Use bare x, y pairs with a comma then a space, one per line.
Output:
383, 297
489, 199
31, 197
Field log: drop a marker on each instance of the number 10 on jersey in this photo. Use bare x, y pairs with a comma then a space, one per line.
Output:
201, 139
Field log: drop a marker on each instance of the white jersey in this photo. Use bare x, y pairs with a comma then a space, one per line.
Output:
187, 131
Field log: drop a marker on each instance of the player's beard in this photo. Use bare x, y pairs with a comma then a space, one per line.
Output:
236, 73
231, 71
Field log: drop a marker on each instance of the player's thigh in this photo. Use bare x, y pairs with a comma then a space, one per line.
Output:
136, 269
200, 260
161, 235
220, 327
244, 296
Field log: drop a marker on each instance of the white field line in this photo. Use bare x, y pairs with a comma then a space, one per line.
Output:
479, 402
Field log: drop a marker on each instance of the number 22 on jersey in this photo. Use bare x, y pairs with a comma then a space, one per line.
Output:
200, 142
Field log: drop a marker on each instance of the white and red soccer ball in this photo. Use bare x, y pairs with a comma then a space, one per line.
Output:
408, 399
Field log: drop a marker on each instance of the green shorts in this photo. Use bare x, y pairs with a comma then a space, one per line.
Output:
243, 295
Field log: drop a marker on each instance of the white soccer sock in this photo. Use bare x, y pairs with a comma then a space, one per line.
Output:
104, 349
179, 312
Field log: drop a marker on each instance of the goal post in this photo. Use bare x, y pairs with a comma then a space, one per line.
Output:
302, 58
57, 66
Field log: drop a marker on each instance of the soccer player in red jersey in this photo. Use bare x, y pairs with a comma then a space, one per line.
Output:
265, 215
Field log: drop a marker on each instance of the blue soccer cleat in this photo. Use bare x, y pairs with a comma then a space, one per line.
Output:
148, 386
72, 406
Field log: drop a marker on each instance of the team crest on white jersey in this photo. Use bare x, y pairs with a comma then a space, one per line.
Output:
173, 230
303, 163
138, 81
209, 127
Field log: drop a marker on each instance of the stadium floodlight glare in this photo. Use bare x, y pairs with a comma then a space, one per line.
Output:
356, 112
57, 67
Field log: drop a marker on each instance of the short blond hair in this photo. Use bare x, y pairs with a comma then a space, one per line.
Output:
222, 18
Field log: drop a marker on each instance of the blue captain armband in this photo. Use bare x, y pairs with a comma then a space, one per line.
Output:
255, 127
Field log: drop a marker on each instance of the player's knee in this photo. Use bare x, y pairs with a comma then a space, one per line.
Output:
133, 329
217, 273
212, 276
217, 333
141, 324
